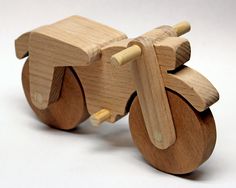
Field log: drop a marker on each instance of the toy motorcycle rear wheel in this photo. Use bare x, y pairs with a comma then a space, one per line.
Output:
195, 137
69, 110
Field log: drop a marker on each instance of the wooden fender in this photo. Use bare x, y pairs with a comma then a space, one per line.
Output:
193, 86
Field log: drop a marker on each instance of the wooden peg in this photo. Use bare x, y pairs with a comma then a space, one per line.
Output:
182, 28
133, 52
124, 56
97, 118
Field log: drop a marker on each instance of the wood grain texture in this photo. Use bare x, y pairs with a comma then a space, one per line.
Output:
156, 35
113, 48
55, 91
152, 96
22, 45
97, 118
150, 88
172, 52
182, 28
69, 110
75, 41
70, 63
126, 56
195, 137
160, 33
106, 87
193, 86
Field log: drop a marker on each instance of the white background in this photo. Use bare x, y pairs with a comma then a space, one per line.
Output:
33, 155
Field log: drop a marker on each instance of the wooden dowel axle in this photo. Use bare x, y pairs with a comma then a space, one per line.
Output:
131, 53
97, 118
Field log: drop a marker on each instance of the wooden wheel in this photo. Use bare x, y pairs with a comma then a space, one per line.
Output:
66, 112
195, 137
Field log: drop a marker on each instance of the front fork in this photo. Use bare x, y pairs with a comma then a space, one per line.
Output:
152, 56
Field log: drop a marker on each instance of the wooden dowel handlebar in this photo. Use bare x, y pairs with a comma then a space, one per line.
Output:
132, 52
126, 55
181, 28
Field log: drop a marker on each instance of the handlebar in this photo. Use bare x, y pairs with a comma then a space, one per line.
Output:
135, 51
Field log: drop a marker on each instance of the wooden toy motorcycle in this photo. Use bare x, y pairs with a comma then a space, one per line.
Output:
79, 68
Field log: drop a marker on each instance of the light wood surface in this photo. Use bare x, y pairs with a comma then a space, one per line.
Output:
119, 85
69, 110
113, 48
97, 118
195, 137
172, 52
22, 45
75, 41
193, 86
182, 28
121, 76
120, 81
160, 33
156, 35
152, 95
107, 87
129, 54
70, 74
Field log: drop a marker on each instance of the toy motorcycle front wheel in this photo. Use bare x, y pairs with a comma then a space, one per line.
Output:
195, 137
69, 110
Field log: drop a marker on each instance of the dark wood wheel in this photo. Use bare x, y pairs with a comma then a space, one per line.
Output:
195, 137
69, 110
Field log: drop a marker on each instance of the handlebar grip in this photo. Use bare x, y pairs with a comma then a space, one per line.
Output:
181, 28
126, 55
